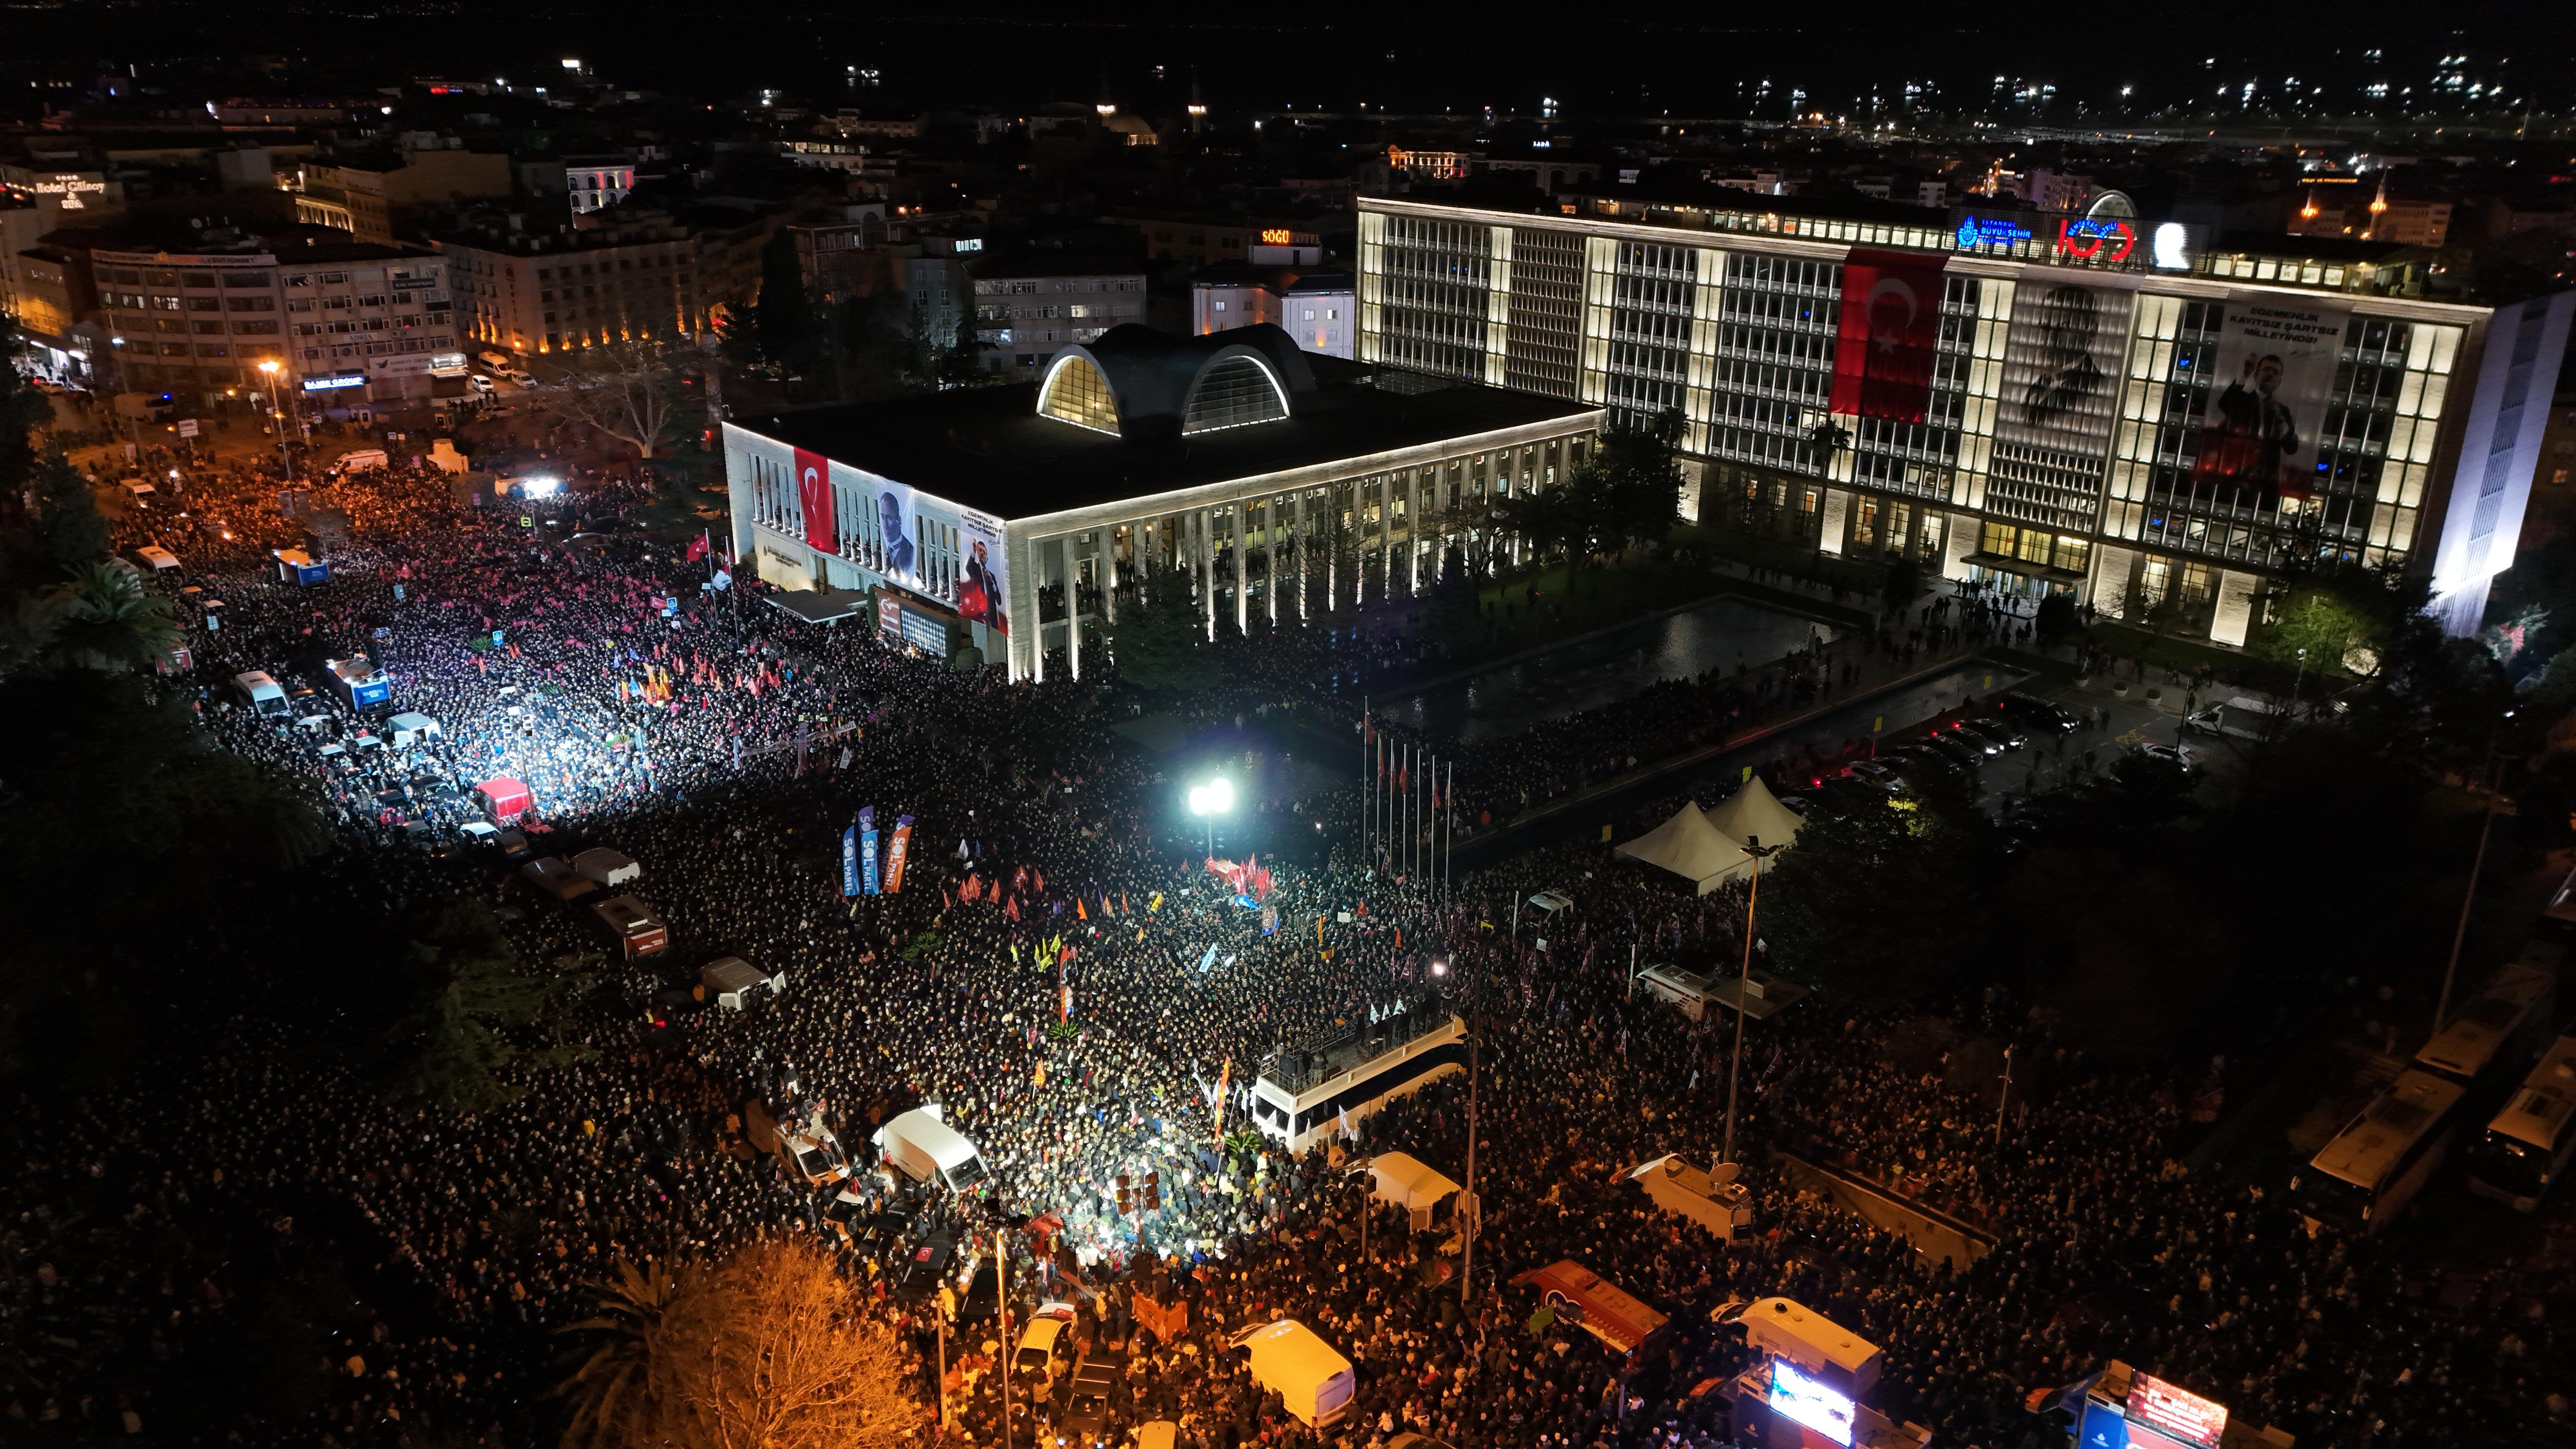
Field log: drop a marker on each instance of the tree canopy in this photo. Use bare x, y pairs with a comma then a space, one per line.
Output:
1160, 639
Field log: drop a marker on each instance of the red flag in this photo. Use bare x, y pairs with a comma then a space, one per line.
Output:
814, 497
698, 548
1013, 909
1885, 345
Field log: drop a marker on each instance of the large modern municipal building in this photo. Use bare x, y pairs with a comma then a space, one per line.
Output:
1279, 483
2120, 406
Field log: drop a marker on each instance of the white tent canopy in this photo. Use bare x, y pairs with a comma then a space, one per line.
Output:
1754, 813
1398, 1177
1692, 847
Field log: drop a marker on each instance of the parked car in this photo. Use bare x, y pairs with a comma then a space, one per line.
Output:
1086, 1404
847, 1213
2181, 757
1950, 747
1045, 1342
1993, 728
1958, 733
1878, 776
813, 1154
1918, 762
2035, 713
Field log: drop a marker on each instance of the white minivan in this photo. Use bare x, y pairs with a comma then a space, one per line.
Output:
923, 1147
262, 694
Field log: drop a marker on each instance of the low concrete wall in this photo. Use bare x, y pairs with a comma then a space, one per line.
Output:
1934, 1234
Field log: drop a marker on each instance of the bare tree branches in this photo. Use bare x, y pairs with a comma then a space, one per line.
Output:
629, 390
770, 1350
775, 1354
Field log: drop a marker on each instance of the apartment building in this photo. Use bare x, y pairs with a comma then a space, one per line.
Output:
649, 276
348, 319
1015, 309
363, 195
549, 293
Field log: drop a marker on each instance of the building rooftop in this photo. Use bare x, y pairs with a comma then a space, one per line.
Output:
1040, 262
2002, 228
989, 449
289, 244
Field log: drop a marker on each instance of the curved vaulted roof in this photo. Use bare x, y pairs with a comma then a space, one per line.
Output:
1154, 377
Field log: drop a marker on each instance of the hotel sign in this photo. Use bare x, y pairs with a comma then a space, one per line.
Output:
71, 186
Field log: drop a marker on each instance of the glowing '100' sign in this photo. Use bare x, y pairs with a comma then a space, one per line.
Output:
2096, 239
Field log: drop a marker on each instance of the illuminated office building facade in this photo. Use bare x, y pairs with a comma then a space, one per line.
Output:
2116, 408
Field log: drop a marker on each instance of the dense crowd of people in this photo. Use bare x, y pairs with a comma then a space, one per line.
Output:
1066, 976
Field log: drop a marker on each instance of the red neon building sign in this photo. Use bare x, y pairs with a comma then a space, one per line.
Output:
2092, 239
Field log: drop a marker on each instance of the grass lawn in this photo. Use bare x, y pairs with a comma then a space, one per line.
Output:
2189, 655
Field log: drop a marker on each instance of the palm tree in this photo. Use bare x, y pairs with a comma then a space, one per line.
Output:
615, 1387
110, 621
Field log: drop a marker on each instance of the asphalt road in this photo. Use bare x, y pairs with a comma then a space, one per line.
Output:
1891, 713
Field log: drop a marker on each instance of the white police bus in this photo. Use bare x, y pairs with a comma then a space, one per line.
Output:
2527, 1147
2373, 1168
2495, 1032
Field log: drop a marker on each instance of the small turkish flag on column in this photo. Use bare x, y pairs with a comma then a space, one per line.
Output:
1889, 334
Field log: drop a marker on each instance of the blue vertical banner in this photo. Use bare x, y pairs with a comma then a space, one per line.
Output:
849, 860
868, 850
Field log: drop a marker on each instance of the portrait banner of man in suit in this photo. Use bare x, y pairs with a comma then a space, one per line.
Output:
2268, 386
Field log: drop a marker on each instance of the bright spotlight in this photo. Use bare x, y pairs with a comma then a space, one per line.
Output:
1439, 968
539, 487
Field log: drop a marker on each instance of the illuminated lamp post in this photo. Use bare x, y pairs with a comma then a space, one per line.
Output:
1209, 801
277, 417
1761, 854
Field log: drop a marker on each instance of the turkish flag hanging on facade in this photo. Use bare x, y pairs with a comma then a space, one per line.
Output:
814, 496
1889, 334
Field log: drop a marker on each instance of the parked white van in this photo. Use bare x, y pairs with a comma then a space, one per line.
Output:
606, 866
733, 983
1309, 1375
262, 694
923, 1147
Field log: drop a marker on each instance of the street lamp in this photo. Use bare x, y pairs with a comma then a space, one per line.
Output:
277, 418
2494, 787
1761, 854
1209, 801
